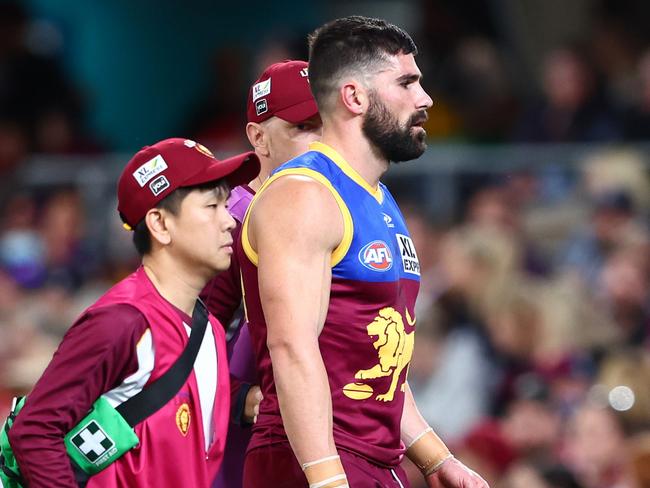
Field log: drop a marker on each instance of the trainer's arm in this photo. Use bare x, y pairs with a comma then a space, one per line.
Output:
430, 454
295, 225
96, 354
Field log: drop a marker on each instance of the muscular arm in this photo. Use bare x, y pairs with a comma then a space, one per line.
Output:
295, 225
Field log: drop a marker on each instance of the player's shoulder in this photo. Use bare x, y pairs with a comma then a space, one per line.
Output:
307, 159
298, 188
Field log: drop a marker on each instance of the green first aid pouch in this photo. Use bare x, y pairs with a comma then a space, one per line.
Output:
101, 437
9, 473
106, 433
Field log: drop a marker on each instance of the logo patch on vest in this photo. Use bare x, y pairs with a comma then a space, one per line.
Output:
407, 252
376, 256
94, 443
183, 418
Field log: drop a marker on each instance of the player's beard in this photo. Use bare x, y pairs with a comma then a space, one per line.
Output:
394, 142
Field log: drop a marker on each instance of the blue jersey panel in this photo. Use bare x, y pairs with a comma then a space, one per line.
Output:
381, 248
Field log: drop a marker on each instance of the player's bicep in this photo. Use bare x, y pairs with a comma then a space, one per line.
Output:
296, 226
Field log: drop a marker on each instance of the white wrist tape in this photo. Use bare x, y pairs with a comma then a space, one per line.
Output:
419, 436
338, 477
319, 461
438, 465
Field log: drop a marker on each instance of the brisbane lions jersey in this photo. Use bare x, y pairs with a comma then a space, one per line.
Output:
367, 340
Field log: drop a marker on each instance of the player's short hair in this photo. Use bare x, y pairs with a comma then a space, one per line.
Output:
354, 44
172, 204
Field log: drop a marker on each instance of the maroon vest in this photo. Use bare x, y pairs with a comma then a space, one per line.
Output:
172, 448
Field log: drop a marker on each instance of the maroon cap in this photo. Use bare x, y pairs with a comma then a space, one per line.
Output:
282, 91
156, 171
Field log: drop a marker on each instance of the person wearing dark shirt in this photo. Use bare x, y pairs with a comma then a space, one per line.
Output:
573, 107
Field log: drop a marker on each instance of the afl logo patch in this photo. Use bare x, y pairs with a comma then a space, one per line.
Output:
376, 256
183, 418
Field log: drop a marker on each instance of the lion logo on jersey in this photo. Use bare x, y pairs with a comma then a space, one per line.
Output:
394, 349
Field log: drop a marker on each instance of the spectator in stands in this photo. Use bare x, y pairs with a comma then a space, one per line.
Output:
612, 223
572, 108
36, 93
637, 119
625, 291
595, 448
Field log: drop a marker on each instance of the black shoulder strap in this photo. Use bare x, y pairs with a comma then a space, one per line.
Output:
156, 395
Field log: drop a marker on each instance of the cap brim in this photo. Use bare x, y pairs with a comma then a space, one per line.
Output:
237, 170
298, 112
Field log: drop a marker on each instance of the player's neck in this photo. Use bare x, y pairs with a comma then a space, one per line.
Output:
266, 167
348, 140
173, 282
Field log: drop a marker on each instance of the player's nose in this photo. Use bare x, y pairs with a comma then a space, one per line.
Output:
424, 101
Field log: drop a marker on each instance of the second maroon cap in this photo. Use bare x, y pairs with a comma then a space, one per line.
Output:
282, 91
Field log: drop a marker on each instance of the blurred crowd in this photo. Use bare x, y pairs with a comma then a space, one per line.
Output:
533, 350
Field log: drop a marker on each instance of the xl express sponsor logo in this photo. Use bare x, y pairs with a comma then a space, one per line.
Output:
148, 170
376, 256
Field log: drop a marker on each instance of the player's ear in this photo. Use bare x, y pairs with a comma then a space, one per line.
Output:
354, 97
258, 138
156, 220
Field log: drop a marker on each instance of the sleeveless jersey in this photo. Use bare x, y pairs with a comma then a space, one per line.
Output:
367, 339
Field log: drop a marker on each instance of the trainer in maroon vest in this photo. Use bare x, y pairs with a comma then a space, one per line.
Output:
173, 196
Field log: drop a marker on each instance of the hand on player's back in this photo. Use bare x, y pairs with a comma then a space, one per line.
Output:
252, 406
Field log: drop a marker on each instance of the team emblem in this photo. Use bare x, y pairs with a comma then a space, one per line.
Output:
394, 346
376, 256
204, 150
183, 418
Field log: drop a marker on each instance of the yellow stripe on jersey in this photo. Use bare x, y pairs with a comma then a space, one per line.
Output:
348, 228
347, 169
243, 295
